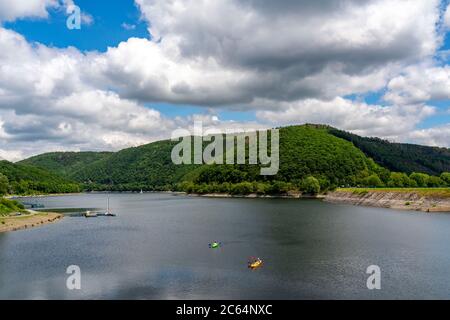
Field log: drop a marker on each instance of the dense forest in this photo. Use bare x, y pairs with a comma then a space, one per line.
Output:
313, 158
400, 157
65, 164
22, 179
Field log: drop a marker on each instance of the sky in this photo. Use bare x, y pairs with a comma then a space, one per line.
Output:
137, 70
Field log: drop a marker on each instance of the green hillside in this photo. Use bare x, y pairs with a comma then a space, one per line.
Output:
307, 150
400, 157
147, 167
25, 179
304, 151
65, 163
10, 206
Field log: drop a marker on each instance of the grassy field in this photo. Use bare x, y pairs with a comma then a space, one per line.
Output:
434, 192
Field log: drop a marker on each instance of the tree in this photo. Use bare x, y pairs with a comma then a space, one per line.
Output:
311, 186
4, 184
373, 181
420, 178
279, 187
436, 182
400, 180
445, 176
242, 188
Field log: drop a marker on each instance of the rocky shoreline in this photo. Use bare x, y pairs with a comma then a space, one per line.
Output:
392, 199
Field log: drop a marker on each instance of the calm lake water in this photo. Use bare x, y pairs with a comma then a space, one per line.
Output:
157, 248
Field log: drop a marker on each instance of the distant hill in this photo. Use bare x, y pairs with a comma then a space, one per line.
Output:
400, 157
25, 179
65, 163
145, 167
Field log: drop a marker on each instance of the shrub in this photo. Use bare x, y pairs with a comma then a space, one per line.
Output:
242, 188
436, 182
420, 178
311, 186
373, 181
445, 176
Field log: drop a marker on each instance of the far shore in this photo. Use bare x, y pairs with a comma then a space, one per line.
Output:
14, 196
413, 199
418, 199
30, 220
290, 195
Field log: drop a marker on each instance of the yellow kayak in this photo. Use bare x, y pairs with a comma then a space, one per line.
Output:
255, 264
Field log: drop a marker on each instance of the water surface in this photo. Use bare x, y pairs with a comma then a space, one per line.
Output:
157, 248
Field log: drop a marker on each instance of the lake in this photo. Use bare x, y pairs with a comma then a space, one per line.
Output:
157, 248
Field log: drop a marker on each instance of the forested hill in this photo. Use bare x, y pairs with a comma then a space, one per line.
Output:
312, 157
24, 179
65, 163
304, 151
400, 157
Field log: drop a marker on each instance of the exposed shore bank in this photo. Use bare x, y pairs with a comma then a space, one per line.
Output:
33, 219
426, 200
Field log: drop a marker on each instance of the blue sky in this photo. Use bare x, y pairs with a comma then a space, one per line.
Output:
106, 29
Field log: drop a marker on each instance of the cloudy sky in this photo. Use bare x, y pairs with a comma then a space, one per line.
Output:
137, 70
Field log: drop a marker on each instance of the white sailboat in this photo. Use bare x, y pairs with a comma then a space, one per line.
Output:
108, 212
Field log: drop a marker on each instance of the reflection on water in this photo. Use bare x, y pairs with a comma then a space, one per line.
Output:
157, 248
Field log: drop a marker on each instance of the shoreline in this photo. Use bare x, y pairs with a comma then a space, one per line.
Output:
292, 195
411, 199
31, 220
12, 196
424, 200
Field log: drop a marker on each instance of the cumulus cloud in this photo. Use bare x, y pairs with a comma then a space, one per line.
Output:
420, 83
12, 10
438, 136
447, 17
358, 117
290, 61
286, 53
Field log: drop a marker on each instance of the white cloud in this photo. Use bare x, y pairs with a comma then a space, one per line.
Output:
128, 26
447, 17
87, 19
11, 10
358, 117
420, 83
268, 52
437, 136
